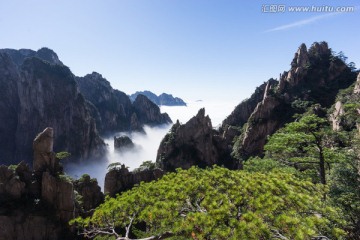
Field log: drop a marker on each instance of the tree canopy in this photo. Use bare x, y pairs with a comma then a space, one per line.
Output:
216, 203
304, 144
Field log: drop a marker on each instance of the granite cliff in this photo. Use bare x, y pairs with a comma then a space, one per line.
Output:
37, 93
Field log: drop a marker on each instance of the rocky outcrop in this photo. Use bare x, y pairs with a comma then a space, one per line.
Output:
90, 192
357, 85
38, 93
118, 180
39, 204
336, 115
148, 113
194, 143
122, 142
163, 99
44, 157
315, 77
242, 112
58, 193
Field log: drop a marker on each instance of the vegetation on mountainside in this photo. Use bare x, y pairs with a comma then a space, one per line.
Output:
217, 204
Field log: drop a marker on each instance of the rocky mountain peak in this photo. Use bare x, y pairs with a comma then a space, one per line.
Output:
318, 49
45, 54
193, 143
301, 58
48, 55
315, 76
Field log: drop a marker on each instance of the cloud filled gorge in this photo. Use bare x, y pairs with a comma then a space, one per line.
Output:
146, 145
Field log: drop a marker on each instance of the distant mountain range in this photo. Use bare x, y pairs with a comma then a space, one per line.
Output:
163, 99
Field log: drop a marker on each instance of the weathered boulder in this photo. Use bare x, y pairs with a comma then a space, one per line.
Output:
122, 142
121, 179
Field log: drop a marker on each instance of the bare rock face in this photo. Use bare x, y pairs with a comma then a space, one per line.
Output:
121, 179
60, 195
9, 106
335, 116
194, 143
39, 92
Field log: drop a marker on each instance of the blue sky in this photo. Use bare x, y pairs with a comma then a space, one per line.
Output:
195, 49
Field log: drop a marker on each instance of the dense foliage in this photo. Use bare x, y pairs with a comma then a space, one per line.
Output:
305, 144
217, 204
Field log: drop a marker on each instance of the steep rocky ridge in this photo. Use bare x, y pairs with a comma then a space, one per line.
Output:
163, 99
19, 56
315, 77
193, 143
38, 94
113, 109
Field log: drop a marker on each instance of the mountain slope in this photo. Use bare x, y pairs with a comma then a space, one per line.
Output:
113, 109
315, 77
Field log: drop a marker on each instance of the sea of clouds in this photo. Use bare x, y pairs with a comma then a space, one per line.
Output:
147, 144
